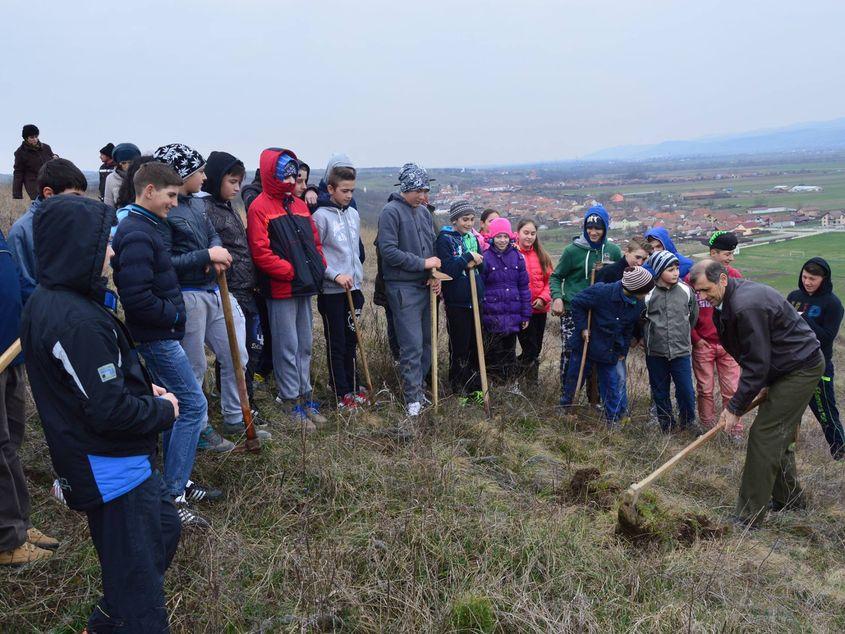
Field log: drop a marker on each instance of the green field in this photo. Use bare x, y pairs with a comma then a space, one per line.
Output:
778, 263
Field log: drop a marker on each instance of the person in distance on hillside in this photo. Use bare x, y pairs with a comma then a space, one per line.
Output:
821, 309
106, 166
57, 176
100, 413
29, 158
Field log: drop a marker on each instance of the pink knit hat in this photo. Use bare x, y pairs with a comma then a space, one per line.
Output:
500, 225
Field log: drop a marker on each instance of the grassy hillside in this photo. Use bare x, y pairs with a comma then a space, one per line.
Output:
477, 525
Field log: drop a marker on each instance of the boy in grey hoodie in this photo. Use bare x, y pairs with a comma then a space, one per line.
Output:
671, 310
339, 226
406, 244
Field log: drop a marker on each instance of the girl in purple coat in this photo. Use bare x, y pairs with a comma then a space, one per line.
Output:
507, 300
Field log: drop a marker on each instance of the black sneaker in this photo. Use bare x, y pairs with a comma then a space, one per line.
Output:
190, 519
197, 493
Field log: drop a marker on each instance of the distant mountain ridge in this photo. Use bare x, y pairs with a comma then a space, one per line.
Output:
816, 136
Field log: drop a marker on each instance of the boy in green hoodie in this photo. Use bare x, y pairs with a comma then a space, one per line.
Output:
573, 273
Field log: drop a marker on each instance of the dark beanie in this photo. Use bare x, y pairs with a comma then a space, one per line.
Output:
30, 129
459, 209
724, 241
107, 149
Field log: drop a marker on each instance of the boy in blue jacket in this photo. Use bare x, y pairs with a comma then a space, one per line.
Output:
615, 310
460, 256
658, 238
821, 309
100, 413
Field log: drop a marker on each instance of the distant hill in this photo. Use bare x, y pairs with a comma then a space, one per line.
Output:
802, 137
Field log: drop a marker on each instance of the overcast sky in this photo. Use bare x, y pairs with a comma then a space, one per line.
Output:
443, 83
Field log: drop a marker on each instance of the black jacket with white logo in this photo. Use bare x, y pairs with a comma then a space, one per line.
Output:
95, 400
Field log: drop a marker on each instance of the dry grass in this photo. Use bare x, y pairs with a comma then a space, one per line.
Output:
471, 527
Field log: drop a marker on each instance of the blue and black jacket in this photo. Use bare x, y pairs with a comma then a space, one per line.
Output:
451, 248
612, 323
822, 310
94, 397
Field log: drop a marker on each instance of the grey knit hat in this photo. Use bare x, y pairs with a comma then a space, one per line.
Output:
412, 178
461, 208
659, 261
635, 279
183, 159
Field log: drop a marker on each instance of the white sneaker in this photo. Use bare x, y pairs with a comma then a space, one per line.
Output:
414, 409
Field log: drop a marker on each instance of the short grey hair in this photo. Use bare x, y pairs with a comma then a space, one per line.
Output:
711, 269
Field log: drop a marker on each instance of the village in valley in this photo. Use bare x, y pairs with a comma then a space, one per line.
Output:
758, 202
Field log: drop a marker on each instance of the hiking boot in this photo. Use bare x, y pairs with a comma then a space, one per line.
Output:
195, 492
239, 431
24, 554
312, 411
348, 404
187, 517
37, 538
210, 440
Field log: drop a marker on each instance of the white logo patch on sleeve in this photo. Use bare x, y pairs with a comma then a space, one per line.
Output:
107, 372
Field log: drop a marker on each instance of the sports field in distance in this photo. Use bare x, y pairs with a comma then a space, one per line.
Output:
779, 263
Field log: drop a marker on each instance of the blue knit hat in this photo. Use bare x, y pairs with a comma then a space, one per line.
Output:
659, 261
125, 152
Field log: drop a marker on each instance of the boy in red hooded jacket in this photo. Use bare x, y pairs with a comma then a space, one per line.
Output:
286, 248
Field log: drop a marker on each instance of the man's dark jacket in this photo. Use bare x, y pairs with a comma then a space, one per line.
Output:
145, 278
94, 398
766, 336
28, 160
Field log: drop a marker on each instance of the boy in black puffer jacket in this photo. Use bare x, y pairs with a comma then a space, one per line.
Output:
100, 413
822, 310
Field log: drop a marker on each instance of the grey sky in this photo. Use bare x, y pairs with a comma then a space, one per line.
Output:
442, 83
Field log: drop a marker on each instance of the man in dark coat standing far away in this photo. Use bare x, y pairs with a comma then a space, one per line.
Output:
778, 352
29, 158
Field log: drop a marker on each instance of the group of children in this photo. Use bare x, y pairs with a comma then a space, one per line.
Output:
173, 236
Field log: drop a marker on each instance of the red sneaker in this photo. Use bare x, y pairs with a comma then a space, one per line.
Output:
348, 404
361, 397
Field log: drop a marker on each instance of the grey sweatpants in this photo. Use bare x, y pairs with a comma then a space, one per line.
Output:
206, 325
410, 305
290, 325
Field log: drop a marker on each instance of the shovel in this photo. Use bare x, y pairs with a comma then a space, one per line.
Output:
586, 343
9, 355
482, 364
251, 443
360, 339
628, 509
435, 275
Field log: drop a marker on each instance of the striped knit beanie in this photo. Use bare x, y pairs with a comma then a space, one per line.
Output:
659, 261
636, 280
461, 208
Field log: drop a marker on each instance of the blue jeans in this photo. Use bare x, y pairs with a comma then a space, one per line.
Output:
609, 390
135, 536
622, 375
169, 367
679, 370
